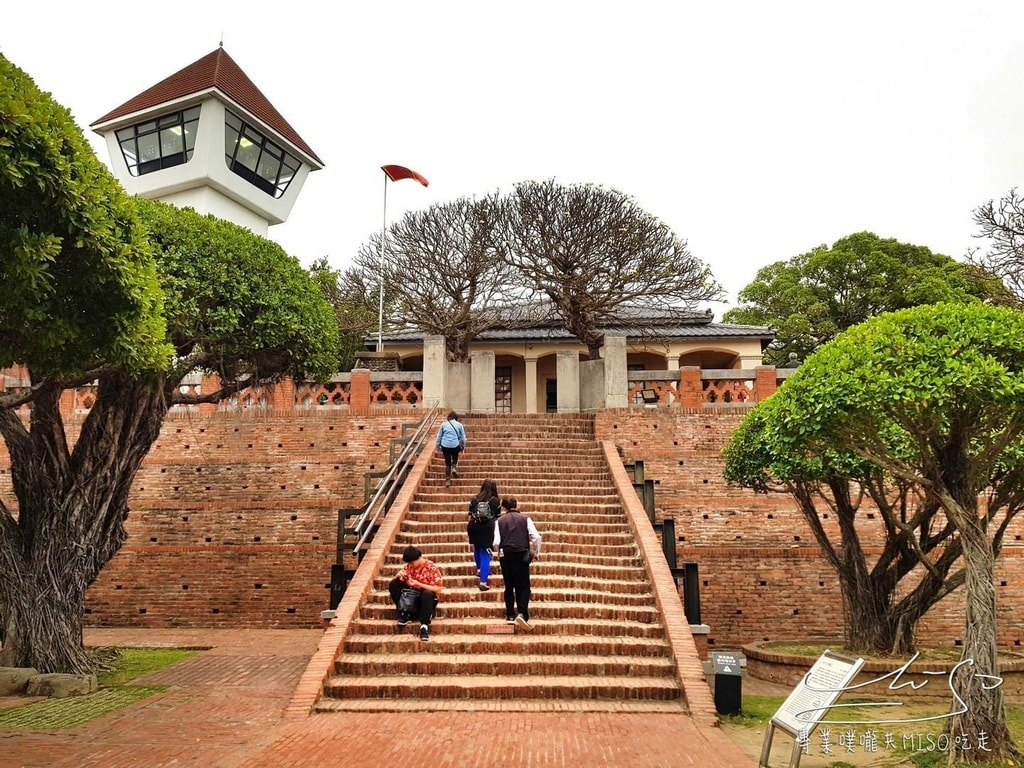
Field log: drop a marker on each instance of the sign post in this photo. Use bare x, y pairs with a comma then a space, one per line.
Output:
803, 709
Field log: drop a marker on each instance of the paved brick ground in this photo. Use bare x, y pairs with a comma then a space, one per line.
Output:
224, 707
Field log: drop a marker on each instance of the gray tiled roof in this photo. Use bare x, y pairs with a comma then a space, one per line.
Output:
634, 322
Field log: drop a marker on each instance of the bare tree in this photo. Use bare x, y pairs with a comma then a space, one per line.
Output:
1002, 224
441, 273
590, 250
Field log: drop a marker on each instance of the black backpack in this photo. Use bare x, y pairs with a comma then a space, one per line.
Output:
482, 513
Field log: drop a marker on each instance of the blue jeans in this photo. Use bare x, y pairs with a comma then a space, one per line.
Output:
482, 558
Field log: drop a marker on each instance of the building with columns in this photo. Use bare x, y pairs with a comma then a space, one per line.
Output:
543, 368
207, 138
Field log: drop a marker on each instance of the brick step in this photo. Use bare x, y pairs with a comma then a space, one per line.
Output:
562, 687
491, 446
607, 505
497, 455
558, 559
444, 642
543, 623
327, 705
509, 471
466, 485
534, 486
470, 595
566, 541
512, 662
434, 534
491, 605
481, 458
555, 525
436, 545
599, 518
466, 578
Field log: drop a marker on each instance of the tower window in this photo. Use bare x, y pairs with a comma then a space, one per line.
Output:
257, 159
161, 143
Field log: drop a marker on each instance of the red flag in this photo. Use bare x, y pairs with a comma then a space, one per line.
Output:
399, 172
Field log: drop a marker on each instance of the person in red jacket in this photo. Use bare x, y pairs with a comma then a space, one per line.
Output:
424, 576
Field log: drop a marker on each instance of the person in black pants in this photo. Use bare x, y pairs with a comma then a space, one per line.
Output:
424, 576
518, 541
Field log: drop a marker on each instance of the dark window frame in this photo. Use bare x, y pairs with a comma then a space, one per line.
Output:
255, 157
162, 142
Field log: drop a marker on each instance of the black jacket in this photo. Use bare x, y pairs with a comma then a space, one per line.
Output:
482, 534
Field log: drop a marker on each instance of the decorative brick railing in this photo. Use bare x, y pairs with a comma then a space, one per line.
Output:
363, 390
693, 387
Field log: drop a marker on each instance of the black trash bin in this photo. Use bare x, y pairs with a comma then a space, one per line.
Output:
728, 682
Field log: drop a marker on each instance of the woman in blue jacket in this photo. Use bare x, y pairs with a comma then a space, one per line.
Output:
451, 439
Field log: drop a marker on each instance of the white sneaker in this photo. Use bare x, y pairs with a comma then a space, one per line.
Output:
523, 623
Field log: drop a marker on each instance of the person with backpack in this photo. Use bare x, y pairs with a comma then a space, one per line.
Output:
451, 439
518, 541
483, 512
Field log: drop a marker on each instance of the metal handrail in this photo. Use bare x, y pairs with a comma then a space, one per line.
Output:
379, 504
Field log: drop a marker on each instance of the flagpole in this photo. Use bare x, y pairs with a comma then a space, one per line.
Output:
380, 271
391, 173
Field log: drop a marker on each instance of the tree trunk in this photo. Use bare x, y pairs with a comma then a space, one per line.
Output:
870, 625
977, 728
43, 621
71, 510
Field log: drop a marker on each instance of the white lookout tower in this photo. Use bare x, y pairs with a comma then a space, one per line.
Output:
207, 138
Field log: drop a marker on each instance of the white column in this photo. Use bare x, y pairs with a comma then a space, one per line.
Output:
567, 366
481, 391
435, 368
531, 384
616, 381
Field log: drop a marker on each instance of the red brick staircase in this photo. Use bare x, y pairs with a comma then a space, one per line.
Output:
598, 643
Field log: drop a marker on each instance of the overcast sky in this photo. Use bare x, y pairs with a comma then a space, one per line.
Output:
755, 130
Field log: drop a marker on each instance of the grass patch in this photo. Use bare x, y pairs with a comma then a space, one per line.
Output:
60, 714
757, 711
138, 662
118, 668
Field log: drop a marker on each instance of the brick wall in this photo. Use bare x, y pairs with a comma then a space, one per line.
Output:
762, 576
233, 519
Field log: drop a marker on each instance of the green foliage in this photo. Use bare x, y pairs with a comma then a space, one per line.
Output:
352, 302
78, 284
237, 303
900, 383
817, 295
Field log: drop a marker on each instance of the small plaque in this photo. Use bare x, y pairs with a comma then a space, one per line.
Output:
726, 663
501, 629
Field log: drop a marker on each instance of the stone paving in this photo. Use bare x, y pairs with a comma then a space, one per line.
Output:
224, 709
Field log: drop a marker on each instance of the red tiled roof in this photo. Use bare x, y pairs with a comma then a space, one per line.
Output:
214, 70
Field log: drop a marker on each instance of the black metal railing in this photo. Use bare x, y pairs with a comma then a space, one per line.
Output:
368, 517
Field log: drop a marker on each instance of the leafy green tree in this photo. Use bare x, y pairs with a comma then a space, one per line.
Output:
87, 296
589, 250
883, 596
354, 305
814, 296
932, 396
